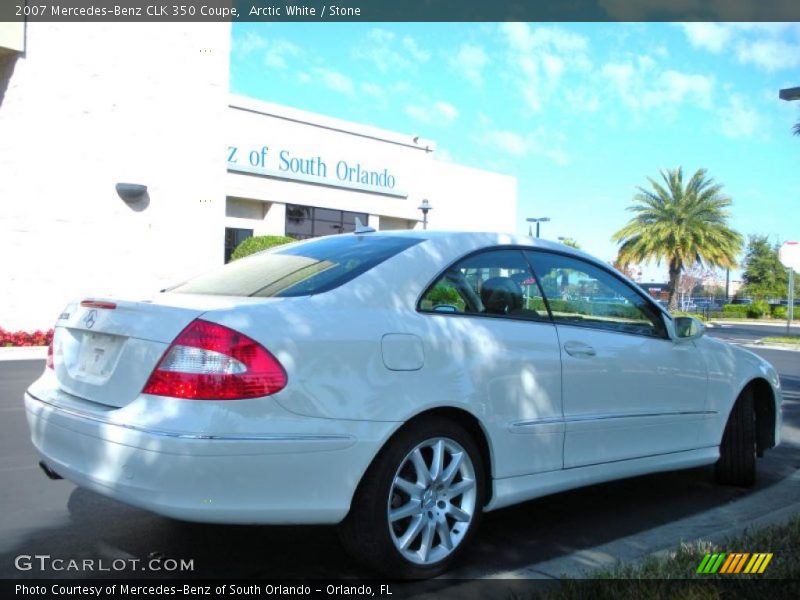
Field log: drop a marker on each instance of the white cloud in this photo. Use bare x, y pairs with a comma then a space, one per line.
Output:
438, 113
247, 44
274, 51
414, 50
388, 52
708, 36
507, 141
771, 55
768, 46
739, 119
470, 61
538, 58
372, 89
525, 39
674, 87
641, 86
582, 99
335, 81
277, 53
536, 143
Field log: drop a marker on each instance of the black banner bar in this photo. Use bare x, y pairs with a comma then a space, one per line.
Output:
436, 589
398, 10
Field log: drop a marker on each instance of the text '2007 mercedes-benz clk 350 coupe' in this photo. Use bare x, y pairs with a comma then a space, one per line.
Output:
399, 384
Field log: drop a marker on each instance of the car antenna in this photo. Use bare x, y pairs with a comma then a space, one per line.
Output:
361, 228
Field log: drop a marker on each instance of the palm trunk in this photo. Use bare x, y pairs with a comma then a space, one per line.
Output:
675, 268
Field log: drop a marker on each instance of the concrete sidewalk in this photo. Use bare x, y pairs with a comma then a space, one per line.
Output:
23, 353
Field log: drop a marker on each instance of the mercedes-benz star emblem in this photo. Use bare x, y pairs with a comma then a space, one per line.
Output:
90, 318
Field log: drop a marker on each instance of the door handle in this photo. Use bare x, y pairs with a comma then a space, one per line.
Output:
579, 349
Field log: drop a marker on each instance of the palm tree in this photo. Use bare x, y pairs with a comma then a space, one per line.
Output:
797, 128
681, 224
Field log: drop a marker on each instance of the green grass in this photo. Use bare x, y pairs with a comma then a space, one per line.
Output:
782, 339
675, 575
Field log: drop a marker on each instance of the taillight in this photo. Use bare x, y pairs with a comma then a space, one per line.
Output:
49, 364
208, 361
88, 303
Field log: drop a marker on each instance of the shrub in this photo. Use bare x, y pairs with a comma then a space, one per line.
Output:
258, 243
443, 294
24, 338
735, 311
758, 309
782, 312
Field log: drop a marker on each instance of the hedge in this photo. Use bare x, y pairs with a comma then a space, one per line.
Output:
24, 338
735, 311
258, 243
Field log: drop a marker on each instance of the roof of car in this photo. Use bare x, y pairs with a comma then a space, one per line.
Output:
481, 238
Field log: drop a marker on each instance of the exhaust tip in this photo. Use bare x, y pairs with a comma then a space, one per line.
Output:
49, 472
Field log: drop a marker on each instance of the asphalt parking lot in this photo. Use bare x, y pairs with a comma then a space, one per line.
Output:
40, 516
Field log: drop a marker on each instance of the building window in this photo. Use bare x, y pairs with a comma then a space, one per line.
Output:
304, 222
234, 237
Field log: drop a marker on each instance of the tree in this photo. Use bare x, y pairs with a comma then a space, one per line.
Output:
631, 271
570, 242
764, 276
691, 279
681, 224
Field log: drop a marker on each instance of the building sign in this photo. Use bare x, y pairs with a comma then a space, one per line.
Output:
281, 163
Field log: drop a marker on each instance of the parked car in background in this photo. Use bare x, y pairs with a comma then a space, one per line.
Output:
399, 384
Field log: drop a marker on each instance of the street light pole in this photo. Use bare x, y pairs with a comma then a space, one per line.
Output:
790, 94
537, 220
425, 207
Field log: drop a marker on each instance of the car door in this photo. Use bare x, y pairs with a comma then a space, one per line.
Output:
494, 341
628, 390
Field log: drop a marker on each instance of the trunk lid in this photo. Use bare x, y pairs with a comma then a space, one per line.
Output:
106, 355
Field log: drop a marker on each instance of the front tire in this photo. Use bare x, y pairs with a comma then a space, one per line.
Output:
419, 502
737, 453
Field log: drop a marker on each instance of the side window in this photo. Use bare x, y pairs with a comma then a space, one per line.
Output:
581, 294
494, 283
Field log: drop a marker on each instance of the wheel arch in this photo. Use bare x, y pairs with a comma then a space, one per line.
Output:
765, 412
462, 417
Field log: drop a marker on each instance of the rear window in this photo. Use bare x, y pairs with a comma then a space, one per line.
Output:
300, 269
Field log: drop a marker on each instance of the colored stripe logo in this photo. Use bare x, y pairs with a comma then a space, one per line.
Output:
734, 562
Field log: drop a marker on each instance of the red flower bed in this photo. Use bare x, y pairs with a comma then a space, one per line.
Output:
24, 338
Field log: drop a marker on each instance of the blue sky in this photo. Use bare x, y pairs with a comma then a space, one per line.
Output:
580, 113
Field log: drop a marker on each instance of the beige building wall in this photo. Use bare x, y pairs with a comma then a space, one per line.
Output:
87, 106
462, 198
12, 37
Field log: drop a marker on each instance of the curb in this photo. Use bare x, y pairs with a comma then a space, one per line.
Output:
784, 347
716, 525
23, 353
771, 323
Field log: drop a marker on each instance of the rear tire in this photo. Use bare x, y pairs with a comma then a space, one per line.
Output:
737, 453
442, 504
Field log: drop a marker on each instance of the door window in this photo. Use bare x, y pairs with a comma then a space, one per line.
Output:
497, 283
582, 294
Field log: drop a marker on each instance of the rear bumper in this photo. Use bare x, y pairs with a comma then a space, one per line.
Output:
302, 476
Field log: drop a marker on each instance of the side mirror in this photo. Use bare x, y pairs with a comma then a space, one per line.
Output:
687, 328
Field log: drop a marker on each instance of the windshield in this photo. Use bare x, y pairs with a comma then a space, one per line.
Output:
299, 269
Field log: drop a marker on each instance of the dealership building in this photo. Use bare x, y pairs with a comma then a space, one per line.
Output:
126, 166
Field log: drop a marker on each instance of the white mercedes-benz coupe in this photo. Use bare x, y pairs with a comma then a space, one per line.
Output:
397, 383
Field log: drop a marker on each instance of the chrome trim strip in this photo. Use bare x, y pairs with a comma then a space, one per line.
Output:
604, 417
198, 436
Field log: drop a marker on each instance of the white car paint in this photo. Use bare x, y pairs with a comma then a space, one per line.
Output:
361, 361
